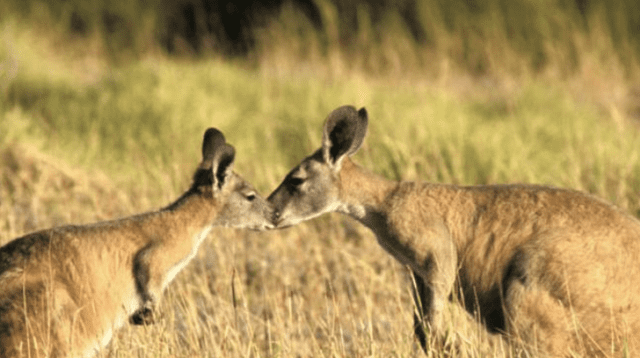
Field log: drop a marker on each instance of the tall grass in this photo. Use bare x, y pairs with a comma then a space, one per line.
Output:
84, 140
590, 48
480, 36
493, 37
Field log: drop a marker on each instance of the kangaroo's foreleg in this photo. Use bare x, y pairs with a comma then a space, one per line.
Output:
149, 288
433, 279
419, 290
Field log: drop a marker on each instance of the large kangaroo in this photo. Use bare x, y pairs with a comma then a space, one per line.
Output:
554, 270
63, 291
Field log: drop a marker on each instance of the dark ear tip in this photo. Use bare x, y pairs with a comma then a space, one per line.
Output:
231, 151
362, 112
213, 135
213, 139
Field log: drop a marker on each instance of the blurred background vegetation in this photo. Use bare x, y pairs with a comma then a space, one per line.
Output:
477, 36
109, 71
103, 104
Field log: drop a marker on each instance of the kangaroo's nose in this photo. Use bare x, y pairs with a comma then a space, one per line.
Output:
275, 217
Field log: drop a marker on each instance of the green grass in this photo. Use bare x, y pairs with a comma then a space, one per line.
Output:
153, 114
82, 140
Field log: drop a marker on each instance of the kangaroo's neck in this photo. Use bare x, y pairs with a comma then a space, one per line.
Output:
183, 226
187, 217
363, 192
445, 210
368, 198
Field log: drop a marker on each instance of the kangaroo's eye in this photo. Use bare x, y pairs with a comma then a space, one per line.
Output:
295, 182
251, 197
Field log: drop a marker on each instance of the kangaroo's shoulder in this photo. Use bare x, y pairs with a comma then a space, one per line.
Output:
409, 195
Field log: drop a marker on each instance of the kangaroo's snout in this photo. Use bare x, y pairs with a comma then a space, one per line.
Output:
276, 218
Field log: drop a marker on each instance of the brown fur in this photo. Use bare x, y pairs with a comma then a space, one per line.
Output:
554, 270
65, 290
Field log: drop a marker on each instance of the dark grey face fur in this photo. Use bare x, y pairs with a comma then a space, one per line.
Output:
309, 190
313, 187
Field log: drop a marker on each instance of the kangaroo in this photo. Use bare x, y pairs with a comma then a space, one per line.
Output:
555, 270
64, 290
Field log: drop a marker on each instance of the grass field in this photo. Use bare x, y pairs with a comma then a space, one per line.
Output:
83, 140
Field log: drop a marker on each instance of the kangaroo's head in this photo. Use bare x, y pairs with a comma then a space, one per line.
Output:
313, 187
237, 202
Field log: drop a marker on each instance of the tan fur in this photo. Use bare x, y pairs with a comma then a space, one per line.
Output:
65, 290
556, 271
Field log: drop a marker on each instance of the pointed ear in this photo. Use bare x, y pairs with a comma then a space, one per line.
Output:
343, 134
217, 156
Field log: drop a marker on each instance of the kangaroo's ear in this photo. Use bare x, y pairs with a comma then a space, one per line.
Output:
343, 134
217, 156
223, 165
212, 142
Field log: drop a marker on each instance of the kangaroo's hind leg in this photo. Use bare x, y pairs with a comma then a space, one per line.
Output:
537, 322
38, 320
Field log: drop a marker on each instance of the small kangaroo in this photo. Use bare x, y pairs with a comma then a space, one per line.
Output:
555, 270
65, 290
